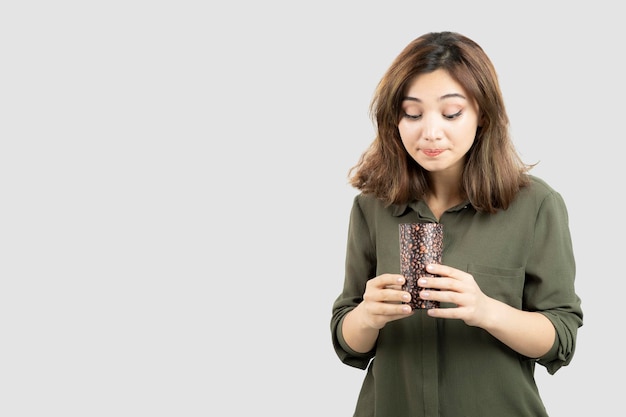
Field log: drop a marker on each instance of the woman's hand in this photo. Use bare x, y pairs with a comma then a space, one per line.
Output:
459, 288
529, 333
383, 301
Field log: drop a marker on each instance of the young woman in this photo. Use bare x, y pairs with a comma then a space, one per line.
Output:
443, 153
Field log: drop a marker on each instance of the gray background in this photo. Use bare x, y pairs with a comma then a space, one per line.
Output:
174, 201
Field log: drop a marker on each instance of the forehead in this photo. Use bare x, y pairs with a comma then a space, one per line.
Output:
436, 85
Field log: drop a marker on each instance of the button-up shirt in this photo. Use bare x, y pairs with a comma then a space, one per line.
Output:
424, 366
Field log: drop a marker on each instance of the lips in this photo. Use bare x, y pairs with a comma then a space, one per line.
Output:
432, 152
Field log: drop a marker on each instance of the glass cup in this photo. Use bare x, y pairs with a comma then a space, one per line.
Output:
420, 244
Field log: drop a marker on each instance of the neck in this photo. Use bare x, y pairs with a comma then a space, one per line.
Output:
445, 192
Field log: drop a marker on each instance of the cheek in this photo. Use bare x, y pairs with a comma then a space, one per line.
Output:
405, 137
406, 146
407, 132
468, 135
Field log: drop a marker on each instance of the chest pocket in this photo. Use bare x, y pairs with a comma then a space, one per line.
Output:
503, 284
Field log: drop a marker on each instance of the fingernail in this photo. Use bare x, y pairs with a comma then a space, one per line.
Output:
423, 281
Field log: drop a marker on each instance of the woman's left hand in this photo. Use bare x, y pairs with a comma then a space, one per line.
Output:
528, 333
456, 287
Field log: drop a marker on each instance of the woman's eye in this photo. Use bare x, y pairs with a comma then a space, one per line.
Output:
412, 116
452, 116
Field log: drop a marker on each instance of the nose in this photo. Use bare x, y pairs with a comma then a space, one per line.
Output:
431, 128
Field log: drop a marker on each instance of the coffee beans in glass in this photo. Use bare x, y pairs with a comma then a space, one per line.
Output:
420, 244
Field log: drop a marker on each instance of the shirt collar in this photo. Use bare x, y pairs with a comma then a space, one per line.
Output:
423, 211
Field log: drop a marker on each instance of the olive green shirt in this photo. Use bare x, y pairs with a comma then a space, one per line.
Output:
423, 366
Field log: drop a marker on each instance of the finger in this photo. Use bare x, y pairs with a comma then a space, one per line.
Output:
445, 271
387, 295
440, 296
400, 310
445, 313
387, 280
390, 310
395, 296
438, 269
439, 283
393, 287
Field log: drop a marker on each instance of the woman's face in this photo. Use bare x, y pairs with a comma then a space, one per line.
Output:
439, 122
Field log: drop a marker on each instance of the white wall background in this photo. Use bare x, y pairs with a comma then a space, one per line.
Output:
174, 202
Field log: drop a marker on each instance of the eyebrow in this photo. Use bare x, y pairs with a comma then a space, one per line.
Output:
445, 96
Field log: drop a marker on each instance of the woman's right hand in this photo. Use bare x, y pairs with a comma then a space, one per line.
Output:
383, 301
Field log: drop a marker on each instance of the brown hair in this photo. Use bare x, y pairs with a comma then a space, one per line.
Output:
493, 173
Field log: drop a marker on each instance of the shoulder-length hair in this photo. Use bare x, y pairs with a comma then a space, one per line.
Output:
493, 173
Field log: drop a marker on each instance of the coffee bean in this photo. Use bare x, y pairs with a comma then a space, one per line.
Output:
420, 244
